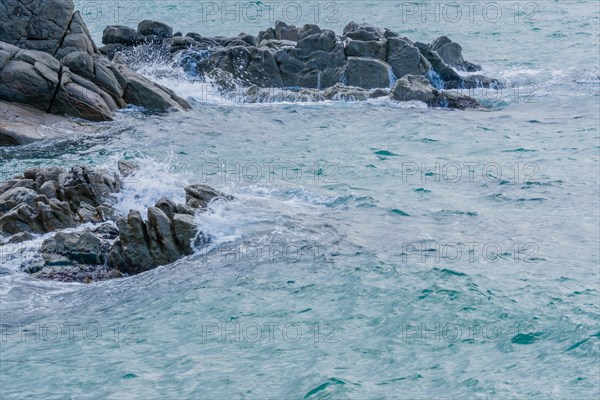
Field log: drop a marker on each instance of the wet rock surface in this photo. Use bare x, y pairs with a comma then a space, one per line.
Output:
297, 58
49, 61
57, 200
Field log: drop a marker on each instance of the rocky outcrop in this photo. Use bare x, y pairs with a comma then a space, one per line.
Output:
418, 88
49, 61
298, 58
51, 200
47, 200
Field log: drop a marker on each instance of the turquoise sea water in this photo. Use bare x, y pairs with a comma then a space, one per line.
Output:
373, 250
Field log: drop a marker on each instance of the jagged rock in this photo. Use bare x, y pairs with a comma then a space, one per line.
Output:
198, 196
21, 218
363, 32
15, 196
163, 247
284, 31
78, 256
185, 232
413, 87
451, 54
450, 77
55, 214
222, 79
81, 184
21, 237
405, 59
308, 30
262, 69
480, 81
106, 251
367, 73
74, 96
167, 206
88, 213
131, 254
107, 80
289, 66
268, 34
459, 101
177, 44
127, 168
73, 248
164, 238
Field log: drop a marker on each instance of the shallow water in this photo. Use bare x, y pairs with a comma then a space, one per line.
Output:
373, 250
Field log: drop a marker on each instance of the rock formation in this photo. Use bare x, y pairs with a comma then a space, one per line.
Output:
49, 61
53, 199
364, 60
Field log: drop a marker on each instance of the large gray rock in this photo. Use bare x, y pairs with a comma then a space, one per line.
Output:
80, 63
73, 248
284, 31
23, 124
154, 28
323, 41
81, 184
373, 49
262, 69
35, 25
363, 32
405, 59
162, 242
119, 34
77, 38
448, 74
367, 73
33, 84
451, 54
414, 87
131, 254
185, 232
21, 218
54, 214
143, 92
79, 97
15, 196
167, 235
